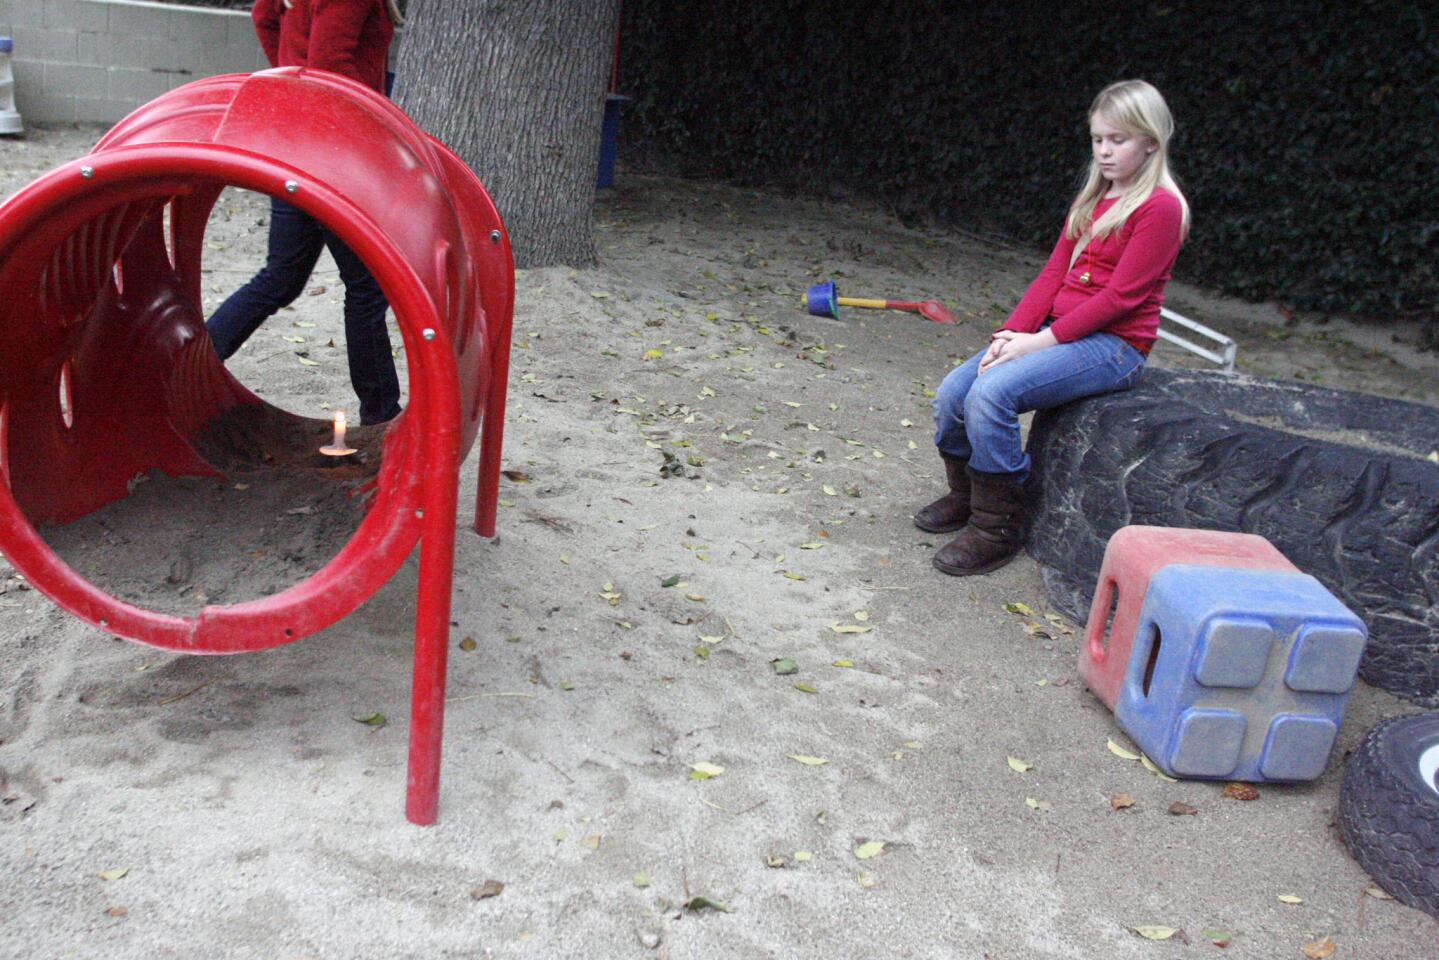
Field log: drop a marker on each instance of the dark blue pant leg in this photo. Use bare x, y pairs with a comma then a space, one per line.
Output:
295, 243
367, 340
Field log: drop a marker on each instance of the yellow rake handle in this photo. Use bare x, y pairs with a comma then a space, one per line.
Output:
861, 302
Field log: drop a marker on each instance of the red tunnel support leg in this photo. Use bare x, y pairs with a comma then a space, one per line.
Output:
492, 436
432, 634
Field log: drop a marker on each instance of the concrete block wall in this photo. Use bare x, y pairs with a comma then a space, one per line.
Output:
93, 61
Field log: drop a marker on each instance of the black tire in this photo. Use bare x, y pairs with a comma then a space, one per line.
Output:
1339, 482
1389, 808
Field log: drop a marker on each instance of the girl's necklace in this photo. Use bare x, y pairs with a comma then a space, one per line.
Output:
1084, 277
1088, 258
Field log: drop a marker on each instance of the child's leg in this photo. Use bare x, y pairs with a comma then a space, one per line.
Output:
951, 510
367, 339
949, 432
295, 240
1099, 363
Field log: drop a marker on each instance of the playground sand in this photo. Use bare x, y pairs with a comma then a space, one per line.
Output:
238, 809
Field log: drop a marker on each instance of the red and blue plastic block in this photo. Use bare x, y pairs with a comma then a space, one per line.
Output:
1134, 554
1236, 666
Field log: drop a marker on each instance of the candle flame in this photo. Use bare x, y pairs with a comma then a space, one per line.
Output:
337, 446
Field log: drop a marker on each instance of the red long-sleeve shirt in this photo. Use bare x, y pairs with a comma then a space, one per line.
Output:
349, 37
1127, 273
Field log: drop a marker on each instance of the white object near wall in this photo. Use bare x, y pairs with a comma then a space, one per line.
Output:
10, 120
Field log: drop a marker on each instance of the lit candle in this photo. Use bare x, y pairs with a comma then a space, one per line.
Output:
337, 447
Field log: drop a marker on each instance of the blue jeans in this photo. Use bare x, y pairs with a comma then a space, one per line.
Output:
295, 243
976, 416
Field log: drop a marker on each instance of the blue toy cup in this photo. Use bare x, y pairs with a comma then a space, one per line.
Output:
821, 300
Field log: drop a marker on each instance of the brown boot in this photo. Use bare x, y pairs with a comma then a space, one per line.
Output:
951, 511
996, 526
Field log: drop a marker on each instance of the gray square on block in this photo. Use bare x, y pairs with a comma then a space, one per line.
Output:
1207, 742
1233, 652
1325, 659
1297, 746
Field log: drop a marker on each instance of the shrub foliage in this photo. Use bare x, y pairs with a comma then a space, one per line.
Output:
1306, 141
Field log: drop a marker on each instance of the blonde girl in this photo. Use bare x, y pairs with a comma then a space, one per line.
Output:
1084, 327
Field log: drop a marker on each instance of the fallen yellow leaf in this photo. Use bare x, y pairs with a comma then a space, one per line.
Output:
1150, 766
1120, 752
1017, 765
1155, 933
866, 851
808, 761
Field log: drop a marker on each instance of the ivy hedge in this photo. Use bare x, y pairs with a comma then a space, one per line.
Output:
1306, 141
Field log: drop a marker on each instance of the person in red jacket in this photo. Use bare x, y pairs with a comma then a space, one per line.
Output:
349, 37
1085, 326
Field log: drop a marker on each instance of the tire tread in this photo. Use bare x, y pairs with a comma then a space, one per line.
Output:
1389, 828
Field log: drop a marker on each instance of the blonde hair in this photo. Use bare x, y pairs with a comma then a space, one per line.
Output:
1136, 108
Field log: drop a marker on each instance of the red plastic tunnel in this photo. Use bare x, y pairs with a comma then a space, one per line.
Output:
106, 372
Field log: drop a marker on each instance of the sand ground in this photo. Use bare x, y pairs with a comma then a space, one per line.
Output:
254, 817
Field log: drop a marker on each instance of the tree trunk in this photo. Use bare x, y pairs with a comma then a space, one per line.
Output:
516, 88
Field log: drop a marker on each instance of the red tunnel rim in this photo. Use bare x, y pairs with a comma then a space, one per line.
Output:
434, 410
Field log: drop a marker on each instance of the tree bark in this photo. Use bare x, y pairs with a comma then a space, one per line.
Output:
516, 88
